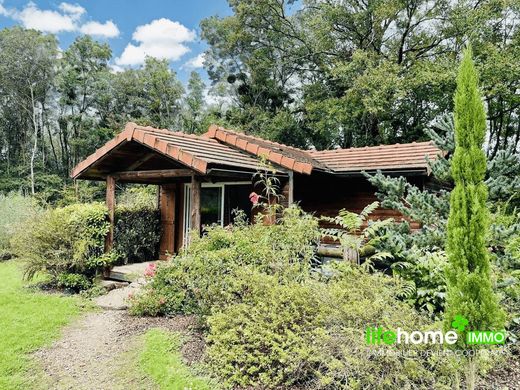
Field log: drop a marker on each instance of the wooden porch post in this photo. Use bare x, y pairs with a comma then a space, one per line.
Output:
111, 205
290, 190
168, 220
195, 203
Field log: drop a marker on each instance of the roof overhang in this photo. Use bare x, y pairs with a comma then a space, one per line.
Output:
390, 172
146, 154
132, 133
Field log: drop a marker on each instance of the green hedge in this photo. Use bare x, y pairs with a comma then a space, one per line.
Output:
67, 243
66, 240
16, 211
137, 233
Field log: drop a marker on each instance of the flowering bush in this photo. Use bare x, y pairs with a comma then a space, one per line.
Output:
254, 198
150, 270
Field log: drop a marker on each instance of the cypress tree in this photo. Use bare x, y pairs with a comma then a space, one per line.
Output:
469, 290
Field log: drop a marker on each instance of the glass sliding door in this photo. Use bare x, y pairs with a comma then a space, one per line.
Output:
211, 207
236, 198
218, 204
211, 211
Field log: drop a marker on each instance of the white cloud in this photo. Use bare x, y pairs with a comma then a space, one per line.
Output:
195, 62
3, 10
161, 38
66, 19
74, 10
116, 68
106, 30
45, 20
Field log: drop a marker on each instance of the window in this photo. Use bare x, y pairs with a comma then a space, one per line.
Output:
218, 203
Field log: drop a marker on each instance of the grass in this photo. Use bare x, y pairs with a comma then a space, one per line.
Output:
28, 321
161, 360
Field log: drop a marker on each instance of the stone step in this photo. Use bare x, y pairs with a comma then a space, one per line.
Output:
110, 285
118, 299
128, 272
121, 276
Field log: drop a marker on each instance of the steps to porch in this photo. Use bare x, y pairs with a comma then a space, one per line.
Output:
121, 282
129, 272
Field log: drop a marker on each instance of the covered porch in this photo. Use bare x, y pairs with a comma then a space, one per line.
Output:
200, 181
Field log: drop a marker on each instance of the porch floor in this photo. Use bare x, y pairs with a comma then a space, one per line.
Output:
129, 272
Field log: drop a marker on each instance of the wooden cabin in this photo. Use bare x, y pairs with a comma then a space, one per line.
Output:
203, 178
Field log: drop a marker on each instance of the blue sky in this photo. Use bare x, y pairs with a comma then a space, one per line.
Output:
161, 28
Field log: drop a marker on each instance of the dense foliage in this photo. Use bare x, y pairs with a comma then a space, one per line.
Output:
353, 73
136, 233
68, 243
207, 274
418, 255
311, 333
272, 320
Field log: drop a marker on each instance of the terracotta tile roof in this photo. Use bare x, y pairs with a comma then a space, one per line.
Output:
194, 151
384, 157
289, 157
220, 146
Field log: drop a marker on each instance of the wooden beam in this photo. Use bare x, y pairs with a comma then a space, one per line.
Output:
153, 174
195, 203
111, 205
141, 161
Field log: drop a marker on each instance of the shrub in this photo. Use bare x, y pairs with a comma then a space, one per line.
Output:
137, 232
73, 282
16, 211
358, 300
65, 240
270, 339
312, 334
423, 280
205, 275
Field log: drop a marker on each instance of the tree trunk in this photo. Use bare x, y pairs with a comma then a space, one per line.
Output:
471, 373
35, 145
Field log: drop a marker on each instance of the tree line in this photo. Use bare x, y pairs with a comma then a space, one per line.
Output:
311, 73
352, 73
56, 107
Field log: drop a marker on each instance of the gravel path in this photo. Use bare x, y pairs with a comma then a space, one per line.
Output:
94, 352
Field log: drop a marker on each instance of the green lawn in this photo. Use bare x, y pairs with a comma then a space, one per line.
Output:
28, 320
161, 360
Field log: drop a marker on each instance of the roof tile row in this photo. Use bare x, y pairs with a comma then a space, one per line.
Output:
226, 147
288, 157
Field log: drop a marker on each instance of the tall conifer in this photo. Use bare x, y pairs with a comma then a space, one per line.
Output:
470, 292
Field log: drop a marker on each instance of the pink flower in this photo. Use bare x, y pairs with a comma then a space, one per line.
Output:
130, 295
150, 270
162, 301
254, 198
